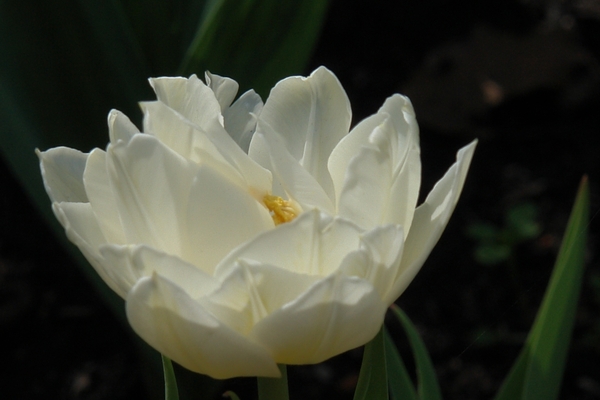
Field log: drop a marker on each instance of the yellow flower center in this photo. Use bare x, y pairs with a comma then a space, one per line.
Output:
281, 210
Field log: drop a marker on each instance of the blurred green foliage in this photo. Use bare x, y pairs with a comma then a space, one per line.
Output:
496, 244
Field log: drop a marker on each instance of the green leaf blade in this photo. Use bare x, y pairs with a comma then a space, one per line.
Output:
552, 330
372, 380
428, 386
537, 374
401, 386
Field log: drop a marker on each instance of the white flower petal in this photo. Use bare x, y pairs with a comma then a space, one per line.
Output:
82, 230
62, 171
402, 115
201, 143
312, 244
120, 127
224, 88
294, 180
431, 218
337, 314
190, 98
177, 326
399, 149
312, 115
252, 290
378, 258
151, 185
133, 262
349, 147
80, 224
404, 192
215, 206
366, 193
101, 197
240, 118
186, 139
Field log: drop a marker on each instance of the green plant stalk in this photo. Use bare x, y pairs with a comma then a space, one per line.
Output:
171, 391
274, 388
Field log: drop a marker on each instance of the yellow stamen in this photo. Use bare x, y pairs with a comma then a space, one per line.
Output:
281, 210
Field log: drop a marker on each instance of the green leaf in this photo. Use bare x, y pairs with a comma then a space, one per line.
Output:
171, 391
429, 389
256, 42
401, 386
538, 371
372, 380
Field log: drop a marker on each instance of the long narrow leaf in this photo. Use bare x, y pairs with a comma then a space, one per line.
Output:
401, 386
257, 42
372, 380
537, 374
429, 388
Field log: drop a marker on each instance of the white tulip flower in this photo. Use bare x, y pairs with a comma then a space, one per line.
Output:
236, 250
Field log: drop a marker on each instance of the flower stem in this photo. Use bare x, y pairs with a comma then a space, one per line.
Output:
274, 388
171, 391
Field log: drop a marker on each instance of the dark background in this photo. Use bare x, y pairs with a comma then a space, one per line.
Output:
523, 76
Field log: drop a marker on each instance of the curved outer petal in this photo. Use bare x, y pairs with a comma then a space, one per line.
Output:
133, 262
62, 171
101, 197
83, 231
349, 147
150, 185
376, 168
311, 115
430, 220
404, 192
365, 196
337, 314
175, 324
